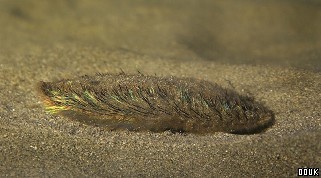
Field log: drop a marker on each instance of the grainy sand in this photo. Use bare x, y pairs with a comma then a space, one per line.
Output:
279, 66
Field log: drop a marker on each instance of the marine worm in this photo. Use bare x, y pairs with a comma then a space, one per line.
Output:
149, 103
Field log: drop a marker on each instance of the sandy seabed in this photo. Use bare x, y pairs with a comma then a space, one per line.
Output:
36, 144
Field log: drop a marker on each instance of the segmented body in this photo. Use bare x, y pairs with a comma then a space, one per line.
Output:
139, 102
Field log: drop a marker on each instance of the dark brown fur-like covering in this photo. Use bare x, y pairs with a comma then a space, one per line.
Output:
139, 102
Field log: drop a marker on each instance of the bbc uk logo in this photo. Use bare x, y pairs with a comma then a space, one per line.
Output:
308, 171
